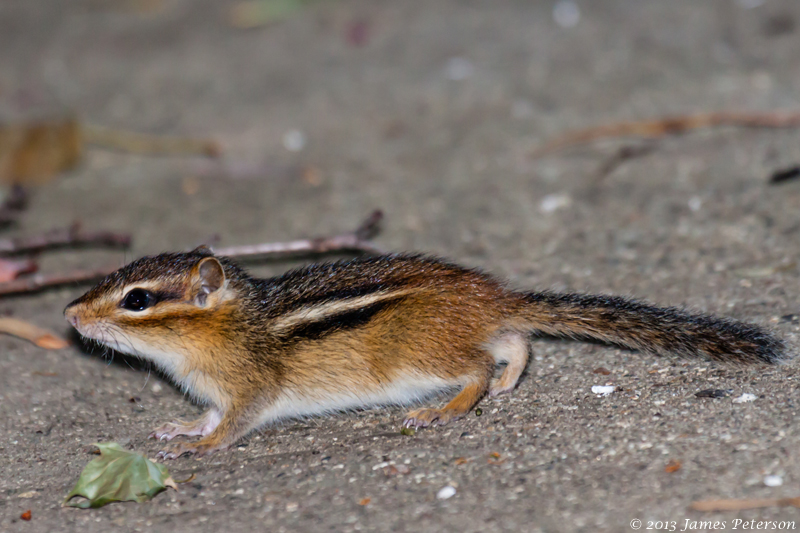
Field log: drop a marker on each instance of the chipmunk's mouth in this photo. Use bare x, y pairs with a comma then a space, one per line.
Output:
105, 335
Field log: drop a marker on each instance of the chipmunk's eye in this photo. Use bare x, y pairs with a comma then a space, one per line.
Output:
138, 300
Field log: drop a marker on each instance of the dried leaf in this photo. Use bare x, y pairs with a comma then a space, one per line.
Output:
26, 515
117, 476
39, 336
365, 501
461, 460
602, 371
36, 151
672, 466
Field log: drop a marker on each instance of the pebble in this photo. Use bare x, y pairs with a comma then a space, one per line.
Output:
446, 492
744, 398
553, 202
294, 140
603, 390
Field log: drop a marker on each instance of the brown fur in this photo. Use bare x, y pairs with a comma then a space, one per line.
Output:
374, 330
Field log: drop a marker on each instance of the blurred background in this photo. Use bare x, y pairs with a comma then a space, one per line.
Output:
182, 122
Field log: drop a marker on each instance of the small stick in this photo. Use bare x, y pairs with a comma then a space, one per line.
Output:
736, 505
38, 336
358, 240
38, 282
141, 143
670, 126
72, 236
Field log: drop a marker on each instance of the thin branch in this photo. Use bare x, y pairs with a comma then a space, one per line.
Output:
39, 336
38, 282
144, 144
670, 126
72, 236
357, 240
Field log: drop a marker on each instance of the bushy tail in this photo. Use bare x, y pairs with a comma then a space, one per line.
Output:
660, 330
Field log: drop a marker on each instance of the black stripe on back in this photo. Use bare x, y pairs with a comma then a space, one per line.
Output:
346, 320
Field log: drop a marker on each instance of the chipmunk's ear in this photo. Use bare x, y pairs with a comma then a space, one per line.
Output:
208, 277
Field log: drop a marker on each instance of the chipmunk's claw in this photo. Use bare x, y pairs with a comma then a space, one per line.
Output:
187, 448
168, 431
422, 418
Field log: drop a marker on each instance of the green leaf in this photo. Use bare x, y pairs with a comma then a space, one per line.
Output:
118, 476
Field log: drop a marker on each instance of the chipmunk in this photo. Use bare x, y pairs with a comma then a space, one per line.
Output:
391, 329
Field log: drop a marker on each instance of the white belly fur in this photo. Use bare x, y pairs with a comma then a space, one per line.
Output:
406, 390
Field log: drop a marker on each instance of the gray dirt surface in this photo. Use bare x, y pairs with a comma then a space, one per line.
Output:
370, 85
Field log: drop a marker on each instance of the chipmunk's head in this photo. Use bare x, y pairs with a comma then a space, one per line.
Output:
163, 308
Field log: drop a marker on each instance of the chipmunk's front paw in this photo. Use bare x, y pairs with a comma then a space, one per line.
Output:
187, 448
170, 430
422, 418
202, 426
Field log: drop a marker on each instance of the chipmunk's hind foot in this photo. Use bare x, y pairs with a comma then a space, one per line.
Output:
457, 408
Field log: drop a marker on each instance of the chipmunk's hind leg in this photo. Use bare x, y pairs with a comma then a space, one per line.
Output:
459, 406
513, 348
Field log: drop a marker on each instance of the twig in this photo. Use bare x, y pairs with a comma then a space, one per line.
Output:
670, 126
140, 143
622, 155
357, 240
38, 336
785, 174
737, 505
38, 282
72, 236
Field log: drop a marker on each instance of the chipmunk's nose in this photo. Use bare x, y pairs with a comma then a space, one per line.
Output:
72, 316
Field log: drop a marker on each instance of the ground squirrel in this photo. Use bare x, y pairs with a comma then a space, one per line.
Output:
391, 329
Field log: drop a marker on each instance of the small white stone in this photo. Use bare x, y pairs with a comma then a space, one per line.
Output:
294, 140
773, 481
695, 203
156, 387
458, 69
603, 390
746, 397
566, 13
446, 492
553, 202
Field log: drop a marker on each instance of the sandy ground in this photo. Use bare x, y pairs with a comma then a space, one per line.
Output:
428, 110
